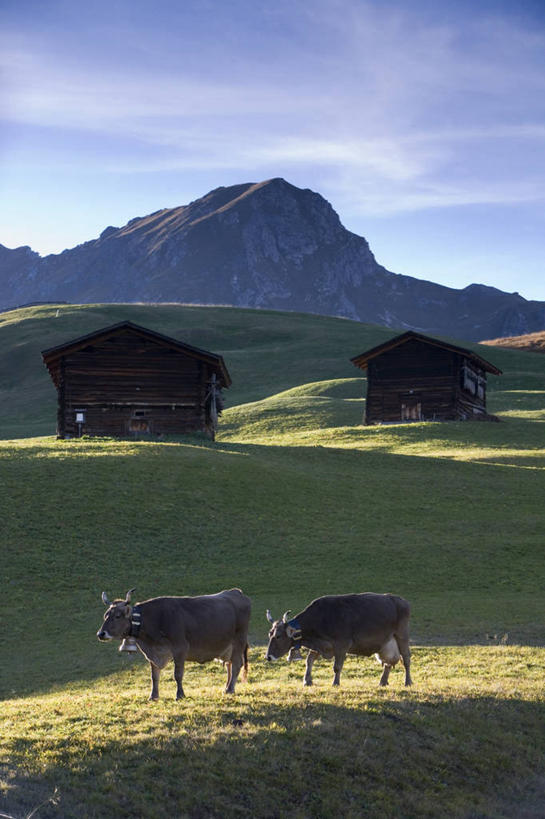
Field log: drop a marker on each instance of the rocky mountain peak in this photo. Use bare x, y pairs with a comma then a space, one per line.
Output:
265, 244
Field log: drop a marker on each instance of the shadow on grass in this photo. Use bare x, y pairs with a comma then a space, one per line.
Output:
407, 756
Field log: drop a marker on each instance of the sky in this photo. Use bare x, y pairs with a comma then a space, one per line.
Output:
421, 121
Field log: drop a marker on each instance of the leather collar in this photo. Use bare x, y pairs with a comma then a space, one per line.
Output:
136, 618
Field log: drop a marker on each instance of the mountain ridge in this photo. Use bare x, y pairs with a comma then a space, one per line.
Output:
267, 244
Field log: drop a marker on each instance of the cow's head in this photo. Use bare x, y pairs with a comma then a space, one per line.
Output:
280, 637
117, 618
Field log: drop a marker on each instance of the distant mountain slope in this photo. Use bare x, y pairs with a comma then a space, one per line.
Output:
531, 342
269, 245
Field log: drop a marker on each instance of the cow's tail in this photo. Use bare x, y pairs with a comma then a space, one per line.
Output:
245, 663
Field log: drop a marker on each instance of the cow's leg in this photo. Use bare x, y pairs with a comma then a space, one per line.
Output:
155, 674
386, 668
229, 666
179, 661
311, 656
338, 663
406, 654
234, 669
402, 639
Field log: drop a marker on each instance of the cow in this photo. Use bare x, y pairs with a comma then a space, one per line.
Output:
336, 625
199, 629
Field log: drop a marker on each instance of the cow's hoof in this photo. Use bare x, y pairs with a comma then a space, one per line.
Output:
307, 684
153, 699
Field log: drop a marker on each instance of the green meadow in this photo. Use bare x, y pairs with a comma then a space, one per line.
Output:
295, 499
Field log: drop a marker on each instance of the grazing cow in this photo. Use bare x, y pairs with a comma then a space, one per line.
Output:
342, 624
212, 626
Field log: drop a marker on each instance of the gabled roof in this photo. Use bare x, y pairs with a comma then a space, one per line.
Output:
363, 359
53, 355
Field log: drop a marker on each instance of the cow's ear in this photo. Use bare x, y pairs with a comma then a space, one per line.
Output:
292, 632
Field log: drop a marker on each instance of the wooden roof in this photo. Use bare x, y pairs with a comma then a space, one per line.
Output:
53, 355
363, 359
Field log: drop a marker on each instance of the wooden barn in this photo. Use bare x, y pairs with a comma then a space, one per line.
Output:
126, 380
414, 377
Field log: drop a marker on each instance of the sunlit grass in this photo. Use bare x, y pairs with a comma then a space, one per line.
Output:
333, 387
301, 418
464, 739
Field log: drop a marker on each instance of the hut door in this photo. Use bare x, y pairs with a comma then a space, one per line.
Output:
411, 408
139, 424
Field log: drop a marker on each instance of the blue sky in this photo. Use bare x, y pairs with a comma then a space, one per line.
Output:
423, 123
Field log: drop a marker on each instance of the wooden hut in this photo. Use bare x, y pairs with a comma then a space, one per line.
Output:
126, 380
414, 377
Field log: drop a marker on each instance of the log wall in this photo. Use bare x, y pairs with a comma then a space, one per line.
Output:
418, 381
129, 385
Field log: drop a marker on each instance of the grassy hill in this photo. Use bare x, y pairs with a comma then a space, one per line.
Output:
266, 352
295, 499
531, 342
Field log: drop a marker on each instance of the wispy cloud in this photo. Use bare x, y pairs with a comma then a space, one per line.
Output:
392, 107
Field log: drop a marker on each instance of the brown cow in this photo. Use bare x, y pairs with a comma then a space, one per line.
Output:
337, 625
199, 629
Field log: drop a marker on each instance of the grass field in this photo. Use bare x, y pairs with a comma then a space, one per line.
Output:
463, 742
295, 499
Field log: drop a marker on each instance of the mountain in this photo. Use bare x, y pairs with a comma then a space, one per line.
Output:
269, 245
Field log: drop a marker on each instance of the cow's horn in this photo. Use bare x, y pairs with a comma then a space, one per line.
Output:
105, 599
285, 616
128, 597
269, 616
